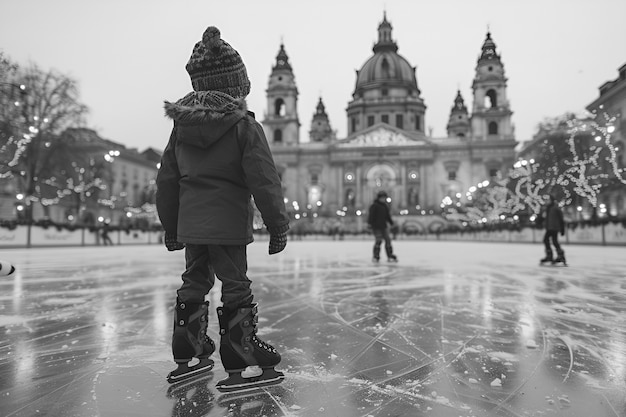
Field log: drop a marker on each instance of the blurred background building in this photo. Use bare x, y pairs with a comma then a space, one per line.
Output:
387, 146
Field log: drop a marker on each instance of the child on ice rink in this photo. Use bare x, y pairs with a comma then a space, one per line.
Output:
218, 157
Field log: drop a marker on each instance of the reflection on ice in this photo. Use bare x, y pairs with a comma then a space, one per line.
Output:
453, 330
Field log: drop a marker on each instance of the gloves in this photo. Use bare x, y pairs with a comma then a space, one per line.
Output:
278, 239
172, 244
562, 232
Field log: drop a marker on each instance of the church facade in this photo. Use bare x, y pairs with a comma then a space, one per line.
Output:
387, 147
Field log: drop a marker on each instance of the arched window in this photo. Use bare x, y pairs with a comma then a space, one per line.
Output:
279, 107
413, 198
350, 198
491, 100
385, 68
493, 128
314, 196
278, 136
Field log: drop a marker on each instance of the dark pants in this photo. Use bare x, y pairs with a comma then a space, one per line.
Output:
380, 235
554, 236
228, 263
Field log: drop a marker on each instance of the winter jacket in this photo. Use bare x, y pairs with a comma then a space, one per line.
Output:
216, 158
553, 219
379, 215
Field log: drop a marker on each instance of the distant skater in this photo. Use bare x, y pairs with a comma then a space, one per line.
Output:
106, 240
552, 218
218, 157
379, 219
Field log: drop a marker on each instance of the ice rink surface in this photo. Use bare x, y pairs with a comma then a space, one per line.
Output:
454, 329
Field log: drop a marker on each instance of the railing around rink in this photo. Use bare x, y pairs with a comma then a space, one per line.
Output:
22, 236
606, 234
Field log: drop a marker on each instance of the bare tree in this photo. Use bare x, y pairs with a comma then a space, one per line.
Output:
31, 139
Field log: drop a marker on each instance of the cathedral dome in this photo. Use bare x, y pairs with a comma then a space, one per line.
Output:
386, 68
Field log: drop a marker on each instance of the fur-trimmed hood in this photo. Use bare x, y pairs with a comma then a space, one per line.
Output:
202, 117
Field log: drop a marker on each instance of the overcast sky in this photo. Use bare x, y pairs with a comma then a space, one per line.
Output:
130, 55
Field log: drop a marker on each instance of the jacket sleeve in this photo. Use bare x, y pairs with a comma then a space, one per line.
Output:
168, 187
559, 213
262, 177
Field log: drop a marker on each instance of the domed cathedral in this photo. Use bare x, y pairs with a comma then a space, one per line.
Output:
386, 90
387, 147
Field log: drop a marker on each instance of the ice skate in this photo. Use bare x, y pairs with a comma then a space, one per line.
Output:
248, 360
375, 260
392, 258
560, 259
190, 341
547, 259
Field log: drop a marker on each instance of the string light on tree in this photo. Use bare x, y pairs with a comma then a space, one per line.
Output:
584, 172
604, 125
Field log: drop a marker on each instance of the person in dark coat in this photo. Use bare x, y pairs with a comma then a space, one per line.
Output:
379, 219
552, 218
217, 159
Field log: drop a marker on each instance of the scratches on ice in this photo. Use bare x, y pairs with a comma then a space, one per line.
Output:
454, 329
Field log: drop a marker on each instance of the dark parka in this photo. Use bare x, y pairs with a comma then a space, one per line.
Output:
216, 158
553, 218
379, 215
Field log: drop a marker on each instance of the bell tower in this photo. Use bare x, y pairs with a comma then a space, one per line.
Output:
458, 124
320, 125
491, 113
281, 123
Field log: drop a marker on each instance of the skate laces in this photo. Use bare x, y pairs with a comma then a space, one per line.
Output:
260, 343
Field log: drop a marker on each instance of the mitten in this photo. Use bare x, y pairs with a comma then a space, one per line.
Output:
278, 239
172, 244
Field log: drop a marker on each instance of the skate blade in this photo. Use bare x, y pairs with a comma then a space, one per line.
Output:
238, 383
181, 388
184, 372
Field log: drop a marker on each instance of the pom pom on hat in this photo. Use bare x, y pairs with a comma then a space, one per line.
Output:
211, 38
214, 65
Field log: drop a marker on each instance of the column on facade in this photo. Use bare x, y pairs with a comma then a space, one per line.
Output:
403, 185
359, 186
423, 184
340, 189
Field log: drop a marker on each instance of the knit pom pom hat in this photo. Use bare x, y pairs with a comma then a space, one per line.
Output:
216, 66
